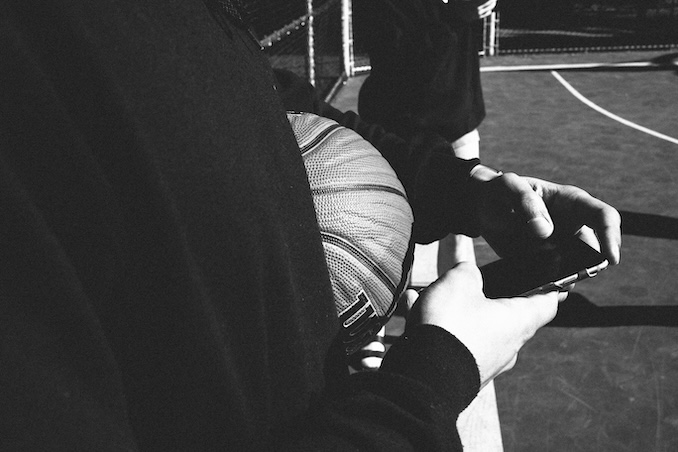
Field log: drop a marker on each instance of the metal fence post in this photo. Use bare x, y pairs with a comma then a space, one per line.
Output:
347, 36
310, 43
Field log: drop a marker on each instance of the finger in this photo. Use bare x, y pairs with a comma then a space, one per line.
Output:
373, 353
408, 298
586, 235
575, 207
529, 204
535, 311
602, 218
545, 307
562, 295
609, 236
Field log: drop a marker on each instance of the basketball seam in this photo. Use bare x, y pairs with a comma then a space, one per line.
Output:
317, 140
358, 187
360, 256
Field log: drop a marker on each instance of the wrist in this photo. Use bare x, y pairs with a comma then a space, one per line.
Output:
434, 356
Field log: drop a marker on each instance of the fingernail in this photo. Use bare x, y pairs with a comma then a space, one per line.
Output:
541, 226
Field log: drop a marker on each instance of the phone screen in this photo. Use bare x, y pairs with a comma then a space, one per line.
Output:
563, 264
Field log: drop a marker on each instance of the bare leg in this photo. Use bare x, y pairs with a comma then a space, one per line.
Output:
459, 248
371, 355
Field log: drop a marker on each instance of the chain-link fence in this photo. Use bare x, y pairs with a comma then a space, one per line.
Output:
303, 36
314, 38
586, 25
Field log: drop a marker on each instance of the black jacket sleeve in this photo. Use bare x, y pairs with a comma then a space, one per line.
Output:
161, 273
436, 181
412, 403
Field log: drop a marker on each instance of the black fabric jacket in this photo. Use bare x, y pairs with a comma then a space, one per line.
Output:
425, 66
162, 280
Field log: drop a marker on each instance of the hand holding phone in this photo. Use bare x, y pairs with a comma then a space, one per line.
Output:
561, 264
492, 330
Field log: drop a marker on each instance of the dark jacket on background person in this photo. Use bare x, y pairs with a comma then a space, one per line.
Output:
162, 280
424, 66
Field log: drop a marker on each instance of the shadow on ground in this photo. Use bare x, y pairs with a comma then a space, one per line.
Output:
578, 311
649, 225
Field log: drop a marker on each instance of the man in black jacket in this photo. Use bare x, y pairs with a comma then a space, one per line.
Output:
162, 280
425, 76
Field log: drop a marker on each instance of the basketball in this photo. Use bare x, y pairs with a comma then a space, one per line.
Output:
365, 223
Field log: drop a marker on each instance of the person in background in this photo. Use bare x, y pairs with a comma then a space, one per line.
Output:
162, 279
425, 75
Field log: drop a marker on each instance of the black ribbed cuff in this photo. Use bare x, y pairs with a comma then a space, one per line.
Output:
436, 358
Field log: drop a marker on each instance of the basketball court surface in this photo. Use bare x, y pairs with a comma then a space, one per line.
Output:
603, 376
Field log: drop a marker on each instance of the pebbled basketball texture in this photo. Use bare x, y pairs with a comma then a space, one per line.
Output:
365, 223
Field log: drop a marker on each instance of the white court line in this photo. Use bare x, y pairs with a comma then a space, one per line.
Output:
556, 67
601, 110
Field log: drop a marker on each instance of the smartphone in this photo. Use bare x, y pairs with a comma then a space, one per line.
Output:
562, 263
